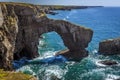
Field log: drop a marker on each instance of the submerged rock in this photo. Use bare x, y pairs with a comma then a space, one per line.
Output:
21, 27
117, 79
110, 46
53, 77
73, 55
108, 62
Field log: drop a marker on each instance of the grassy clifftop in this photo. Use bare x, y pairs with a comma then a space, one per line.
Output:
8, 75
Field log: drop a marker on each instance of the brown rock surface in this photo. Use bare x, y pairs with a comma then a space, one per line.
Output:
110, 46
21, 29
108, 62
8, 32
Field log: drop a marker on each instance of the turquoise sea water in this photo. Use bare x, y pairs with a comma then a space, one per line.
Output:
105, 22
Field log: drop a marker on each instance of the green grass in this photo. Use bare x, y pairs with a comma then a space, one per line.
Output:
11, 75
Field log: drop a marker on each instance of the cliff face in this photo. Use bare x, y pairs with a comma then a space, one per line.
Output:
8, 32
20, 29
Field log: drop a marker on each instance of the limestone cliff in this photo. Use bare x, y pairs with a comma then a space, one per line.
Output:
8, 32
21, 26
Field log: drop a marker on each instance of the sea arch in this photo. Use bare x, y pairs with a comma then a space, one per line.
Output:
22, 26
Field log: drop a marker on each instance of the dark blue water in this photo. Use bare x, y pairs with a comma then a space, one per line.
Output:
105, 22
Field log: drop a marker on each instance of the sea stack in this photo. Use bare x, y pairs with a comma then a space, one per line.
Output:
110, 46
20, 29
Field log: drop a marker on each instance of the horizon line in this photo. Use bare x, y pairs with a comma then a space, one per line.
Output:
61, 4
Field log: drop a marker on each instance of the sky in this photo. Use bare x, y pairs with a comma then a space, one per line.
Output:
71, 2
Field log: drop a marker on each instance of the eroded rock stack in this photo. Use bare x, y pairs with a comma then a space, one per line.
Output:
21, 27
110, 46
75, 37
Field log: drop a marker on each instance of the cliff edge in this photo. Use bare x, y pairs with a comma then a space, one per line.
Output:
21, 26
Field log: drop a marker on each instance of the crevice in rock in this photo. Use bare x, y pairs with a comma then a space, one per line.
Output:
23, 53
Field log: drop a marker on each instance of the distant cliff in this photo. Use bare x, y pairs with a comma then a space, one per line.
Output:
49, 9
21, 26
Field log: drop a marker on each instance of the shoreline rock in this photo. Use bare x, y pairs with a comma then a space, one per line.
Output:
76, 55
108, 62
110, 47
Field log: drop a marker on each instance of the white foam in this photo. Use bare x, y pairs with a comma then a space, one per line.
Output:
48, 54
99, 64
95, 51
67, 17
26, 68
41, 42
93, 72
71, 62
54, 70
112, 77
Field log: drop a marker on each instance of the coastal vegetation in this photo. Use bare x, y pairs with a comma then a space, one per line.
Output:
11, 75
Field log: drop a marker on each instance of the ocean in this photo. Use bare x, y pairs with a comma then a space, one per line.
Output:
105, 22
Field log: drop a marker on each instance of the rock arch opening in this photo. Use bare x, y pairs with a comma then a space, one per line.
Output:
74, 37
50, 43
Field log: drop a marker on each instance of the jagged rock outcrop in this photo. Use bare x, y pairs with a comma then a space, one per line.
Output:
110, 46
8, 32
21, 29
108, 62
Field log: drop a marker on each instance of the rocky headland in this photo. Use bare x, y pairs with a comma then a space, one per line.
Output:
21, 26
49, 9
